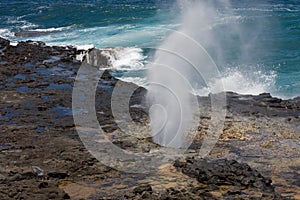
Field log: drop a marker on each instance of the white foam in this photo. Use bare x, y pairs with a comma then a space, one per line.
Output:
137, 106
22, 24
27, 25
6, 33
85, 47
125, 58
136, 80
101, 37
253, 9
289, 10
278, 7
81, 56
14, 43
226, 20
53, 29
241, 82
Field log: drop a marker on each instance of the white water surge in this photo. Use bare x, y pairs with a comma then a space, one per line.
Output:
182, 66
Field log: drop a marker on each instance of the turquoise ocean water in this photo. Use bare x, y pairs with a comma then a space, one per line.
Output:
125, 29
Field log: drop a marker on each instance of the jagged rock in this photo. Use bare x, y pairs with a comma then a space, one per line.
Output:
142, 188
241, 178
36, 111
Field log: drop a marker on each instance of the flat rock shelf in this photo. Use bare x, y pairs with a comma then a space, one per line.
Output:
42, 157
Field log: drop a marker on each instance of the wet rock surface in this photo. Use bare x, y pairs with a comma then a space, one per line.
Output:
42, 156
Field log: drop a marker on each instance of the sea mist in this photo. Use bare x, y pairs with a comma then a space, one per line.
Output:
186, 62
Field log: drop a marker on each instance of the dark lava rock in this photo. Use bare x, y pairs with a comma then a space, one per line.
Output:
36, 85
107, 76
59, 175
222, 172
239, 176
3, 43
43, 185
219, 179
261, 105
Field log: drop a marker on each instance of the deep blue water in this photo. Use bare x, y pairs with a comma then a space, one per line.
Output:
271, 30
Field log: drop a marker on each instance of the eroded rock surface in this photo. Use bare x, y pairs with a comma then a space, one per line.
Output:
42, 156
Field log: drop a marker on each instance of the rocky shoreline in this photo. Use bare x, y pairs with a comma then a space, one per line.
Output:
42, 156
